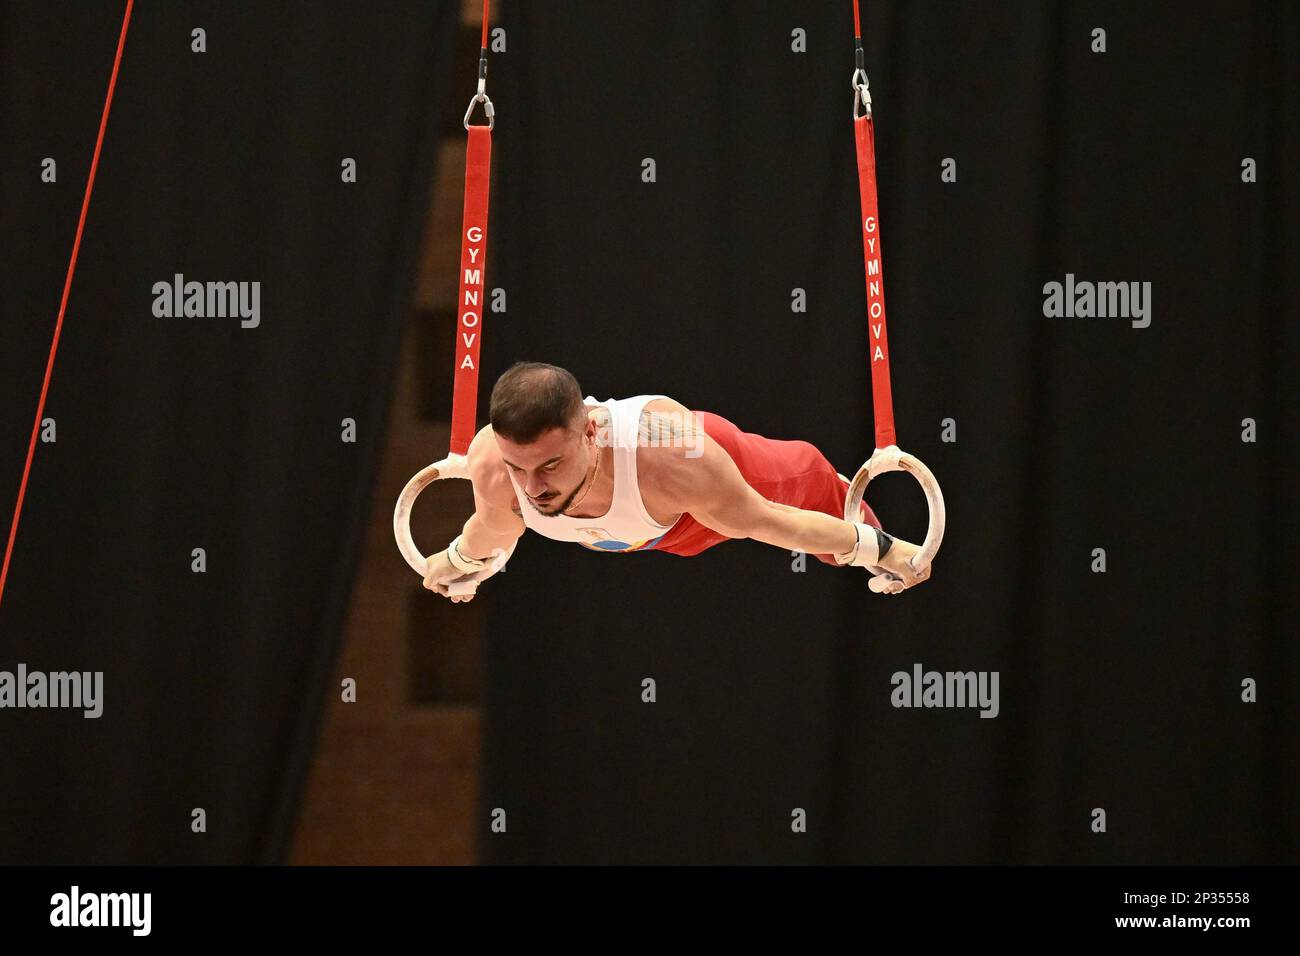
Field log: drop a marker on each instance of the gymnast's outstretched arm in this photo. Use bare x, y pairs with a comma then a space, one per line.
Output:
711, 488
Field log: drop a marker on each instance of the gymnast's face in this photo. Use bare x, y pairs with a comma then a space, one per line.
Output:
553, 470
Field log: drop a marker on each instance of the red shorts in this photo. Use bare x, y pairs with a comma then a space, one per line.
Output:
788, 472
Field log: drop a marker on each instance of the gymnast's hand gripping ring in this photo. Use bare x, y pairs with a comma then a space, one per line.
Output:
892, 459
453, 466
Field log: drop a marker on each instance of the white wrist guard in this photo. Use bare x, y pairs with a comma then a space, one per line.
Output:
870, 546
460, 562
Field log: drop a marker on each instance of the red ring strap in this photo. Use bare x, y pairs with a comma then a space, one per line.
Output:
472, 301
882, 400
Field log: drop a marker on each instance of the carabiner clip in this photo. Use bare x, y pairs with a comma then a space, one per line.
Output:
488, 111
861, 94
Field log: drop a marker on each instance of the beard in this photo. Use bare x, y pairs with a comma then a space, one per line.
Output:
555, 512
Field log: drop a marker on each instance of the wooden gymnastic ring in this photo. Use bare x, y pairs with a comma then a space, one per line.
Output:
453, 466
892, 459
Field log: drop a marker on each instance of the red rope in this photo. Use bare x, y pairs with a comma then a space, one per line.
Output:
63, 304
857, 23
483, 43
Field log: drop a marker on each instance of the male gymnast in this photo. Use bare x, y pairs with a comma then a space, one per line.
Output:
646, 474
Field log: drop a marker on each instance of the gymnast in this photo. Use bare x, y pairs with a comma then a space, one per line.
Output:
645, 474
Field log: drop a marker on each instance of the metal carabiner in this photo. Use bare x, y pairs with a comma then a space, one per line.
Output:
861, 94
488, 111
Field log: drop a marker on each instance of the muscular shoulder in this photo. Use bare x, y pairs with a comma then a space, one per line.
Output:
665, 423
675, 456
488, 472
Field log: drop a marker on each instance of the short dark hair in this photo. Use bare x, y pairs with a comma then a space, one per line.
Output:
531, 398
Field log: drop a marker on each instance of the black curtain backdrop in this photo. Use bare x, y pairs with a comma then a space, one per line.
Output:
175, 434
1119, 690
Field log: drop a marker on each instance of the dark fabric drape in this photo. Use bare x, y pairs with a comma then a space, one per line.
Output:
175, 434
1119, 690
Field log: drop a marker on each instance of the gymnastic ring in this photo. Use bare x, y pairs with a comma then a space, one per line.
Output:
892, 459
453, 466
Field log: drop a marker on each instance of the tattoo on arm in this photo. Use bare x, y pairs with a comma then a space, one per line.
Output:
659, 429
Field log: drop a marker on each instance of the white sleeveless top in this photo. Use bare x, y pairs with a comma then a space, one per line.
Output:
627, 526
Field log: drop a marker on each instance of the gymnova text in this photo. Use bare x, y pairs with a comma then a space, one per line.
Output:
102, 909
922, 688
82, 690
209, 300
1086, 300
